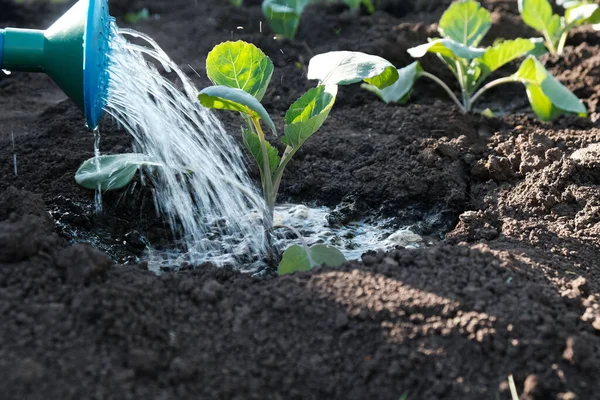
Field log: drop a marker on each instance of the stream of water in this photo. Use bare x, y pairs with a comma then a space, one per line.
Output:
204, 178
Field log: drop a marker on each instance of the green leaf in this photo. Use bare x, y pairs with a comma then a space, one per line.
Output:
544, 90
539, 47
226, 98
240, 65
540, 103
538, 15
446, 48
308, 114
296, 259
502, 53
236, 2
400, 91
347, 67
465, 22
284, 15
582, 13
252, 143
110, 172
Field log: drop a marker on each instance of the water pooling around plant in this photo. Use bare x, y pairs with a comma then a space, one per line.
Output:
202, 178
316, 226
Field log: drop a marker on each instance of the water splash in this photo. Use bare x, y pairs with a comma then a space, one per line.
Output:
353, 238
204, 180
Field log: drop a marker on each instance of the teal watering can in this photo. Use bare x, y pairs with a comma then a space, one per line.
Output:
73, 52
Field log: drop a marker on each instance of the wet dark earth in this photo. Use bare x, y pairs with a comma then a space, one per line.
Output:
513, 287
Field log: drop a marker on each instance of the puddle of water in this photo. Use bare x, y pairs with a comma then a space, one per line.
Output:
353, 239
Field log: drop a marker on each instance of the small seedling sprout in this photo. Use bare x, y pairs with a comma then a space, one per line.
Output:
538, 14
284, 15
241, 74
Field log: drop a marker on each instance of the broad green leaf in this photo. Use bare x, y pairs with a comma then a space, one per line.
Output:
347, 67
236, 2
308, 114
555, 28
502, 53
465, 22
539, 81
284, 15
252, 143
110, 172
240, 65
538, 15
400, 91
446, 48
226, 98
387, 78
296, 259
582, 13
562, 97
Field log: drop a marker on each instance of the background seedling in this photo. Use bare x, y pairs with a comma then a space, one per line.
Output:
284, 15
462, 28
538, 14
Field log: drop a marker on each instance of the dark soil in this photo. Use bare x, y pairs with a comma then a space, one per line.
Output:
514, 287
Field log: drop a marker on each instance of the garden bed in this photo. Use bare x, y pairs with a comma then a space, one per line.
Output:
513, 287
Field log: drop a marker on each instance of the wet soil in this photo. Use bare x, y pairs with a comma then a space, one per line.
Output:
513, 287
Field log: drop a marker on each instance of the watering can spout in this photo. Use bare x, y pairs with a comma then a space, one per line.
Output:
74, 52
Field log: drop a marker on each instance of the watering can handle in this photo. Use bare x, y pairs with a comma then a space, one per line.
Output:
22, 49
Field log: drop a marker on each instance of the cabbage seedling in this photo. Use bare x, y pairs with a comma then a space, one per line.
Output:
284, 15
538, 14
241, 74
462, 28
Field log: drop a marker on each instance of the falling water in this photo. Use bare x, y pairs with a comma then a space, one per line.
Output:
203, 182
98, 196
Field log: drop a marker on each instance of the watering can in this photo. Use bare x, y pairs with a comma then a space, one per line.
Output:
73, 52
